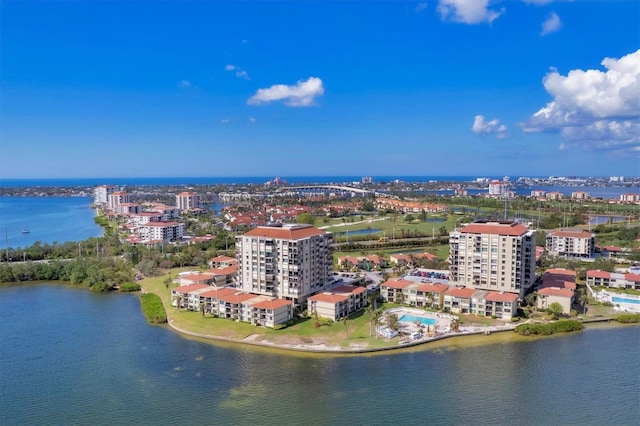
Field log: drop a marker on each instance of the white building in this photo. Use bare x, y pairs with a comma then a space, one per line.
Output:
116, 198
290, 262
497, 256
187, 201
143, 218
101, 194
571, 243
497, 188
161, 231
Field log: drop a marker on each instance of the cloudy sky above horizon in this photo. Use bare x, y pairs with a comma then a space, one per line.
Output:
306, 88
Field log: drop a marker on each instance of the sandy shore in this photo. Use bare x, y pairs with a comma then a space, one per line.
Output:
294, 343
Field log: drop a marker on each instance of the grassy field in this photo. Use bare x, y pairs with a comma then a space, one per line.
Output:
355, 333
392, 226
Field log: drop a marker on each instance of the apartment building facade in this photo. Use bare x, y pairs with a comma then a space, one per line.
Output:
161, 231
290, 262
116, 198
571, 243
101, 194
493, 255
187, 201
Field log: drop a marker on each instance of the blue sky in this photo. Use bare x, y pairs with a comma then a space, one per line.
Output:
286, 88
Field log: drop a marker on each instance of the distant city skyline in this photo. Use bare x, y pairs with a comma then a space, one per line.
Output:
300, 88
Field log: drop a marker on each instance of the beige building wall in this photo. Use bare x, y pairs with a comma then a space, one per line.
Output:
493, 259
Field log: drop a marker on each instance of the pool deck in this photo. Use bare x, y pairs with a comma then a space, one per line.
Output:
619, 304
442, 326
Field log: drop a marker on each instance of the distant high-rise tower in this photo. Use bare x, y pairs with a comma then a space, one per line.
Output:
187, 201
101, 194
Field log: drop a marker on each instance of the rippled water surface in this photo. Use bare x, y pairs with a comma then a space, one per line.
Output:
68, 356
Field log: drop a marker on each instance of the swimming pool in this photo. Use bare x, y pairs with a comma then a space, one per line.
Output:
411, 318
622, 300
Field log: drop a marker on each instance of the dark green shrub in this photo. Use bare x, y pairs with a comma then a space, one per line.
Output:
129, 287
153, 309
563, 326
628, 318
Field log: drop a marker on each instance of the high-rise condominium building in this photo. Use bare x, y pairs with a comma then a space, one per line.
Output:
101, 194
493, 255
290, 262
187, 201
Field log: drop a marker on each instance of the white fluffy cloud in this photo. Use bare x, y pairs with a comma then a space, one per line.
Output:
600, 109
303, 93
240, 73
551, 24
493, 127
468, 11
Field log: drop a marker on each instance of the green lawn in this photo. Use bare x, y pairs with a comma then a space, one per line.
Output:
355, 333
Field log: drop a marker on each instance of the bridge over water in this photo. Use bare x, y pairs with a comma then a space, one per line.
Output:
323, 189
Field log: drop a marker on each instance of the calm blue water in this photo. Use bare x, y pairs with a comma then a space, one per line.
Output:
49, 219
70, 356
366, 231
152, 181
411, 318
597, 220
624, 300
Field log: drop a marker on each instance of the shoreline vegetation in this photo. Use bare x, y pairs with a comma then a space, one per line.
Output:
352, 337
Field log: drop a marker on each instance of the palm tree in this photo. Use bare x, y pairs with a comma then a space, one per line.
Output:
430, 297
371, 310
455, 325
392, 322
583, 298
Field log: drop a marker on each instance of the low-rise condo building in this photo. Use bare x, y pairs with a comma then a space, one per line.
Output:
613, 279
571, 243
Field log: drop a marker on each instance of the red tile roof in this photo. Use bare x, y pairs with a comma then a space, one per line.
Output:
284, 233
560, 271
599, 274
329, 297
272, 304
432, 288
236, 298
462, 292
495, 228
397, 284
576, 233
401, 256
496, 296
555, 291
161, 224
218, 292
346, 288
190, 288
224, 271
426, 255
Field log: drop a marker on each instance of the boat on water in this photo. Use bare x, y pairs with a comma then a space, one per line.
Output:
26, 231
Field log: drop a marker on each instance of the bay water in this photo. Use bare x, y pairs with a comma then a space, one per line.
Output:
47, 219
69, 356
